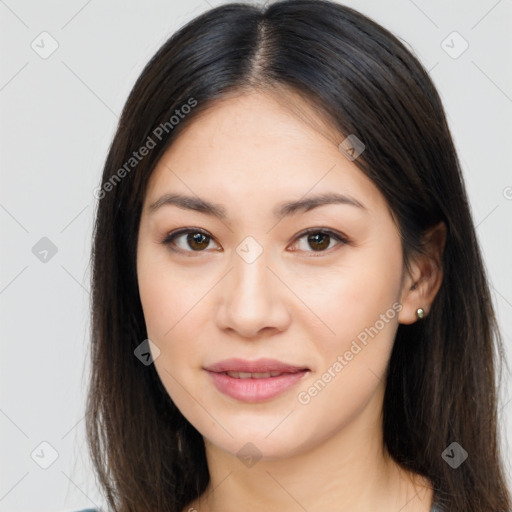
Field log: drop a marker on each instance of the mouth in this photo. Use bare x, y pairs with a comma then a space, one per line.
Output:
254, 375
255, 381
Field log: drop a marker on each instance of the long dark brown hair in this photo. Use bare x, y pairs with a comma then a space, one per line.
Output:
442, 380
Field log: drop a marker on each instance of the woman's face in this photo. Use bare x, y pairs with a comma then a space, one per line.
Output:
250, 285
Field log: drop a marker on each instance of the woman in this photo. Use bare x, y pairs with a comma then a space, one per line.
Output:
290, 309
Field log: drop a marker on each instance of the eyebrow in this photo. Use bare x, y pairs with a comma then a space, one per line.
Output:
281, 210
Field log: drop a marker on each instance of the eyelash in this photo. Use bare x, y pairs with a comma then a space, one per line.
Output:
169, 239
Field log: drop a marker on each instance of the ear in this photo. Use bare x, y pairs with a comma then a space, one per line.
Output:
422, 284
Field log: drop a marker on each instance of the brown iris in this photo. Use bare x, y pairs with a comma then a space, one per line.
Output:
196, 239
323, 237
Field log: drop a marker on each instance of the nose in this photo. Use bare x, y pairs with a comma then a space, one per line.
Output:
253, 299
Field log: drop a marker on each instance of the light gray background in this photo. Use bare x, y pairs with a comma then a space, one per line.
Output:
58, 115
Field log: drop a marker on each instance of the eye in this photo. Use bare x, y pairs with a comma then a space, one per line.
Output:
196, 238
320, 239
199, 240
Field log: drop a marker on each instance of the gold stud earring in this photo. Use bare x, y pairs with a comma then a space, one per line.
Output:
420, 313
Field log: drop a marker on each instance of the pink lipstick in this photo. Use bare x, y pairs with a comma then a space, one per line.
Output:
254, 381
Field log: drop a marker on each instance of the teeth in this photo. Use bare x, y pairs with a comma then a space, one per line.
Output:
257, 375
261, 375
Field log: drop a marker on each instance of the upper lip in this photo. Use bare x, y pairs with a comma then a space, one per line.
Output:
258, 366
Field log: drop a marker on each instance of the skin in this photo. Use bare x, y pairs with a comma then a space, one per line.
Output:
293, 303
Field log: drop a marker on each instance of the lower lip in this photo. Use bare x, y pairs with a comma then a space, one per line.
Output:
255, 390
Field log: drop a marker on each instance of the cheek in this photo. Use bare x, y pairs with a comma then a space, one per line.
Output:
168, 307
175, 307
166, 295
353, 296
360, 306
171, 320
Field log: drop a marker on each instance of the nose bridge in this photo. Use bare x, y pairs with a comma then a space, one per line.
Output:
251, 274
251, 297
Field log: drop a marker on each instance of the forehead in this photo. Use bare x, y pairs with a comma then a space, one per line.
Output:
255, 146
258, 118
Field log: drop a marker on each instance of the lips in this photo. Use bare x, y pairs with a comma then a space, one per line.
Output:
254, 381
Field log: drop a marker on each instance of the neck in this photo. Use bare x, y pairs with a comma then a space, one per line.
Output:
350, 471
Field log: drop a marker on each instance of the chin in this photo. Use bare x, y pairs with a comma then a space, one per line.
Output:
263, 439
